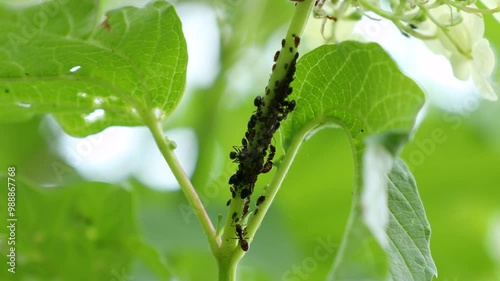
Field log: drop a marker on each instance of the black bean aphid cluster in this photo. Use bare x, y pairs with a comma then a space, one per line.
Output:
256, 153
251, 155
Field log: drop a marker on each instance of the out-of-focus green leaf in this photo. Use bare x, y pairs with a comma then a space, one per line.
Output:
82, 232
409, 230
359, 88
460, 207
57, 58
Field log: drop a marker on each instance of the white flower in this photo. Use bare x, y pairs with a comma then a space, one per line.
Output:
336, 21
463, 44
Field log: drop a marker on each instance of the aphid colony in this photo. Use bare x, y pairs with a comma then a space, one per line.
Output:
256, 145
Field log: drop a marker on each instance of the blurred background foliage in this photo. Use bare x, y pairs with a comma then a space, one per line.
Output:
71, 228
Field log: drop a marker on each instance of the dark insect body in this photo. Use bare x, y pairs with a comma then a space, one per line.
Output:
240, 232
276, 56
246, 206
260, 200
245, 193
296, 40
267, 167
252, 122
263, 124
233, 155
258, 101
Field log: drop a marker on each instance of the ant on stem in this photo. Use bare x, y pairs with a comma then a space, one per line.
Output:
240, 232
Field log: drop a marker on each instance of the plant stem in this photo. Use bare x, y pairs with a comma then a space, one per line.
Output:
166, 147
471, 9
277, 180
230, 252
396, 19
227, 270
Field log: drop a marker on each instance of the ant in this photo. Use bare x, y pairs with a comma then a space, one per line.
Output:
241, 152
240, 232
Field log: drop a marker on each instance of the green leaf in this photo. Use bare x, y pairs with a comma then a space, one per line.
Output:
82, 232
359, 88
408, 231
90, 75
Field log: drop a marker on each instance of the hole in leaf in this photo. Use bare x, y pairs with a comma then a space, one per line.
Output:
25, 105
98, 101
95, 115
158, 113
75, 68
